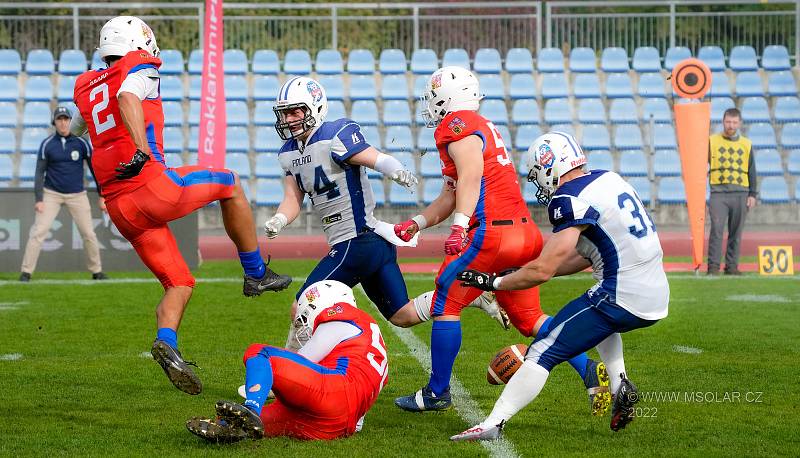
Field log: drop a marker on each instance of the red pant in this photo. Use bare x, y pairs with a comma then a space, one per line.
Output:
493, 248
142, 216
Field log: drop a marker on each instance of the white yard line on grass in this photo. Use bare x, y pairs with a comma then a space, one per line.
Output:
757, 298
687, 350
11, 357
5, 306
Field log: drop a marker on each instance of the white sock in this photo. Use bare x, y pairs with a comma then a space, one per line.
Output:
523, 388
422, 304
610, 350
291, 340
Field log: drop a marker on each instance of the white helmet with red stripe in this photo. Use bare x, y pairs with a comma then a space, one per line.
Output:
124, 34
549, 158
316, 298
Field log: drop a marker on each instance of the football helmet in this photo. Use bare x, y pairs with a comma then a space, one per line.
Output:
549, 158
124, 34
300, 92
316, 298
449, 89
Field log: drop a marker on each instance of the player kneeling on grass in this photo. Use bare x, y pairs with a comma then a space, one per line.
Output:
323, 390
598, 221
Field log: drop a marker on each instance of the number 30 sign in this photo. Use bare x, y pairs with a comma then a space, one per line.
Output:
775, 260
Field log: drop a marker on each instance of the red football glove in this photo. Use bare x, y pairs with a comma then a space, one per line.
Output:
406, 230
457, 240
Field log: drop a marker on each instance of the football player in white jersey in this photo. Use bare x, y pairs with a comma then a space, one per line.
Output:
599, 222
327, 161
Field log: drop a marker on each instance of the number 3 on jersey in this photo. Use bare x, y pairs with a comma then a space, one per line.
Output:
109, 121
639, 228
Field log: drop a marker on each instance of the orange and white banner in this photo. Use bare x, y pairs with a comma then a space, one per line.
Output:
211, 143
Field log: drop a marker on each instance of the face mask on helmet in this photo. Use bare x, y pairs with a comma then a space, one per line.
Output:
296, 127
550, 157
316, 298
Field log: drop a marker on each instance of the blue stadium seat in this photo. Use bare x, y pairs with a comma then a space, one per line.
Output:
787, 109
191, 140
587, 85
9, 89
8, 141
236, 113
8, 114
591, 111
495, 111
790, 136
646, 59
396, 113
172, 160
171, 62
418, 105
748, 84
550, 60
264, 115
743, 59
666, 163
566, 128
407, 159
268, 141
96, 63
269, 192
195, 87
755, 109
623, 111
432, 189
36, 114
457, 57
334, 87
39, 62
614, 60
27, 168
594, 137
658, 108
425, 142
775, 58
762, 135
651, 85
554, 86
424, 62
266, 62
773, 190
487, 60
492, 87
582, 60
31, 139
399, 195
336, 110
364, 112
601, 160
394, 87
529, 193
713, 57
557, 111
195, 63
173, 114
194, 113
392, 61
363, 88
519, 60
173, 139
522, 86
793, 165
618, 85
525, 111
65, 89
505, 137
6, 170
371, 135
239, 163
38, 89
236, 88
671, 191
718, 107
171, 88
234, 61
675, 55
399, 139
237, 140
297, 62
781, 83
267, 165
642, 187
266, 87
430, 165
720, 86
419, 85
361, 62
525, 136
72, 62
10, 62
628, 137
329, 62
664, 137
768, 162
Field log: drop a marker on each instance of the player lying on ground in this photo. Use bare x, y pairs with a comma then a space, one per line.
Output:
322, 390
492, 230
598, 221
121, 108
327, 160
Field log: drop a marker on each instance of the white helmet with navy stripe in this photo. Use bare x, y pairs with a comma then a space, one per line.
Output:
316, 298
300, 92
549, 158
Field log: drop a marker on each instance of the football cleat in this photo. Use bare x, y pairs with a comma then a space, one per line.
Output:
596, 382
240, 416
480, 433
424, 400
270, 282
626, 398
177, 370
488, 303
215, 430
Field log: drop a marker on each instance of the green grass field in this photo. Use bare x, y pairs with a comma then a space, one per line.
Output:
718, 376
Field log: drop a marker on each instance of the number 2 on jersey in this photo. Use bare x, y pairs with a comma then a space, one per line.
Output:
638, 230
109, 122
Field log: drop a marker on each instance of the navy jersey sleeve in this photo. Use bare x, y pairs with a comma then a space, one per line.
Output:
348, 142
568, 211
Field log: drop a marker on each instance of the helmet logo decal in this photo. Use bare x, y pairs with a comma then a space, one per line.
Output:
457, 125
333, 311
436, 81
312, 294
546, 156
315, 90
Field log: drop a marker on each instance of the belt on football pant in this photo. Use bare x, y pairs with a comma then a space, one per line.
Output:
508, 222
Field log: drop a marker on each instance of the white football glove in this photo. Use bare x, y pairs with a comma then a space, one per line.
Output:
274, 225
404, 178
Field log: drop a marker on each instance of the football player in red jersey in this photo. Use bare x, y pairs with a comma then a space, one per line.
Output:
120, 107
492, 227
321, 391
